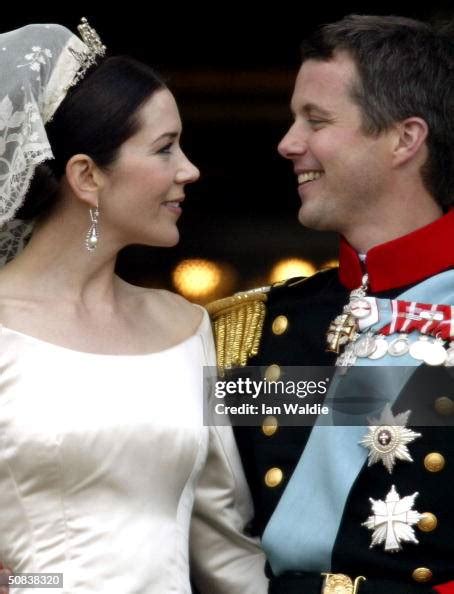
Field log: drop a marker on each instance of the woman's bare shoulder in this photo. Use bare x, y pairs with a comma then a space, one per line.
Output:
175, 308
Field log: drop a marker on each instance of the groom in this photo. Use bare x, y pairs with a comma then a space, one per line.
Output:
372, 149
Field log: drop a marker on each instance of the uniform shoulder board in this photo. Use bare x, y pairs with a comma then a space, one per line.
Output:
238, 324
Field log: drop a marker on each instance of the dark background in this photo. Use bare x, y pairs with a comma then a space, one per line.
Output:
231, 67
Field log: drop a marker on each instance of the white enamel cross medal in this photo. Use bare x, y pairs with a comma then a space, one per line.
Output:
392, 520
387, 439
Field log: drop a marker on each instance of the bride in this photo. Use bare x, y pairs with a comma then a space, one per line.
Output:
108, 475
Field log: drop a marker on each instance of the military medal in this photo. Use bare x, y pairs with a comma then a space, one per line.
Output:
434, 322
360, 307
418, 349
365, 345
387, 439
392, 520
344, 328
436, 353
399, 346
341, 331
381, 347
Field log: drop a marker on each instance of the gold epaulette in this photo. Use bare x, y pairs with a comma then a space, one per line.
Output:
238, 324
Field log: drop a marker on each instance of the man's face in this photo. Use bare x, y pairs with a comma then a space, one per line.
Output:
342, 172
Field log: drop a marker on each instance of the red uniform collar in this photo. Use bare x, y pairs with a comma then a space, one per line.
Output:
402, 261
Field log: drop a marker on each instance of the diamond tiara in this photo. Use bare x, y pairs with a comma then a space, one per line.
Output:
96, 49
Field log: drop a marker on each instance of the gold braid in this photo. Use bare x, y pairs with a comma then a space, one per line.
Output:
238, 325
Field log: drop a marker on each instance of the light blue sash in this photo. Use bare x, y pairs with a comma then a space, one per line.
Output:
301, 533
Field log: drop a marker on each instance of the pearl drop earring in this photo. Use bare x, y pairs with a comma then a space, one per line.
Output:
92, 237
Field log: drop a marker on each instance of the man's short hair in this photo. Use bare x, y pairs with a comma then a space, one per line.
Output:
406, 69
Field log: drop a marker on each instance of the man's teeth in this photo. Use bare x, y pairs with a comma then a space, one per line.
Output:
173, 202
308, 176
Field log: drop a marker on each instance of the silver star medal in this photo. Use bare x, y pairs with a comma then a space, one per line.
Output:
388, 437
392, 520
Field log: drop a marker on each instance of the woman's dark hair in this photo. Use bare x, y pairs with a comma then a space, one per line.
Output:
95, 118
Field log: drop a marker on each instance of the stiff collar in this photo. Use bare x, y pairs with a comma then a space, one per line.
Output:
402, 261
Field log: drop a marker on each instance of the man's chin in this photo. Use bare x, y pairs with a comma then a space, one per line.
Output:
312, 220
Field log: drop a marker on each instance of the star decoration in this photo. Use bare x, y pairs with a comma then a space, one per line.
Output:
393, 520
387, 438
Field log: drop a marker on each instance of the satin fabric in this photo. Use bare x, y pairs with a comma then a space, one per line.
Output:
100, 460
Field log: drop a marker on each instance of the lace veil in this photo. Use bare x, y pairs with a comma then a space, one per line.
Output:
38, 64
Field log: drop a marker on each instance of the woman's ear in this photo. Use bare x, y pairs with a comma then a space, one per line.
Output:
84, 178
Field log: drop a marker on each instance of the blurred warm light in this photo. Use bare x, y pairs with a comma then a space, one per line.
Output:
333, 263
195, 278
203, 280
291, 267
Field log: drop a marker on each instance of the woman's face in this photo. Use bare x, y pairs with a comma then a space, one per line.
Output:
145, 186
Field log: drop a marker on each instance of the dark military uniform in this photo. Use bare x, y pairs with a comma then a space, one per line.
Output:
296, 316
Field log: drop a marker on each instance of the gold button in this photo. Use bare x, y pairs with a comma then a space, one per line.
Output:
273, 477
444, 406
434, 462
280, 325
428, 522
270, 426
422, 574
273, 373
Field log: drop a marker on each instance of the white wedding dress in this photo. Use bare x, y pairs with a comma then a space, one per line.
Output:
101, 460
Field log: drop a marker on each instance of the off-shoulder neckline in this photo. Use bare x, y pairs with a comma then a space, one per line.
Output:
52, 345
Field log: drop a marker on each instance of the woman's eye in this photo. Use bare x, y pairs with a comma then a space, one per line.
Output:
166, 149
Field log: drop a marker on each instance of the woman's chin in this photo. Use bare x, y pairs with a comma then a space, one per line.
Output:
169, 240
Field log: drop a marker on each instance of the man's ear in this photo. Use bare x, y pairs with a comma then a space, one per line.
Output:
84, 178
411, 134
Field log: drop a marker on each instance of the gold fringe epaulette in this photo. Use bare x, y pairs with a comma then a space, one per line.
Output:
238, 324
